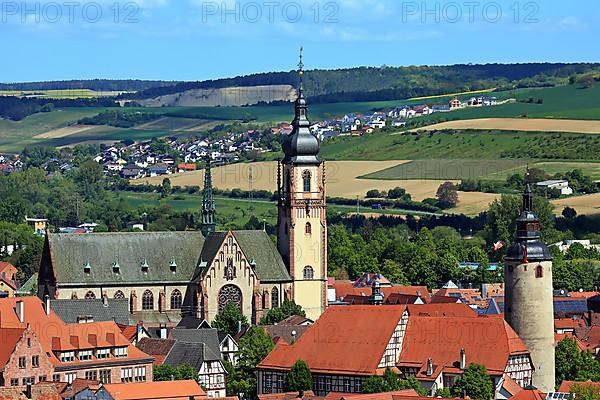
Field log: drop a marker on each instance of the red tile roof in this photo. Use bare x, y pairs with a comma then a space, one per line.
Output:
54, 334
155, 390
568, 323
442, 310
10, 338
345, 339
529, 395
343, 288
558, 337
589, 337
487, 340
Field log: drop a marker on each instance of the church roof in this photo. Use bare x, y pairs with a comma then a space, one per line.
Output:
258, 246
70, 253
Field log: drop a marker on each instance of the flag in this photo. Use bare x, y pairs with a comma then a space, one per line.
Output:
498, 245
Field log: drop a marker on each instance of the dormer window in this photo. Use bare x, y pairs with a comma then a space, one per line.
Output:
145, 266
116, 267
120, 352
173, 265
87, 268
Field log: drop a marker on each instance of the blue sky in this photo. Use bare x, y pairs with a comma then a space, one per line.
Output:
196, 39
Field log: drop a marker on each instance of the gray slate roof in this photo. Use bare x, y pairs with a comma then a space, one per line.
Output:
71, 252
194, 354
208, 337
68, 310
258, 246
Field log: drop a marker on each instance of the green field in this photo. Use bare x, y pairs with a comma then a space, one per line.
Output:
235, 213
470, 144
446, 169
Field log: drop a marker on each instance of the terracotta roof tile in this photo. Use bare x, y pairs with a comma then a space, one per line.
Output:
565, 386
155, 390
325, 346
529, 395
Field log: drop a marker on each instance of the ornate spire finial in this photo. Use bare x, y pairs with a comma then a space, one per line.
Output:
301, 73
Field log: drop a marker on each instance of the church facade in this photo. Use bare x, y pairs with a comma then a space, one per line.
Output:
167, 275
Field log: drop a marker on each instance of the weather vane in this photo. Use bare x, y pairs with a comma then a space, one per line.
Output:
301, 64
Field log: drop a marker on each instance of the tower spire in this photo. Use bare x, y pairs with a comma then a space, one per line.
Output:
208, 202
301, 74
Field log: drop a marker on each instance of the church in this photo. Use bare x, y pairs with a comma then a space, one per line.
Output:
168, 275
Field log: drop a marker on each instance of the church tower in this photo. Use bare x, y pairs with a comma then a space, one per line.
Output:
208, 202
528, 300
302, 227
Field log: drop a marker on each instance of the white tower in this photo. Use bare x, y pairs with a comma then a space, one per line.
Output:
302, 227
528, 299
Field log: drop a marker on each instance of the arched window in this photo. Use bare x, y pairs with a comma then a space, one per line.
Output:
230, 294
147, 300
90, 295
119, 295
309, 273
176, 299
539, 271
274, 298
308, 229
306, 180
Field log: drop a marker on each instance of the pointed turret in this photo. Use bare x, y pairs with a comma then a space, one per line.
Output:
208, 202
528, 297
301, 146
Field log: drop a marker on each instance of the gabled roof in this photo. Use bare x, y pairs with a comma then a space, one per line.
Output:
10, 338
69, 254
157, 348
69, 310
207, 337
441, 310
194, 354
488, 341
154, 390
258, 246
345, 339
526, 394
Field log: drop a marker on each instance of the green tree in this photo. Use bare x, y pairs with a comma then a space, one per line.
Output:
396, 193
230, 319
574, 365
181, 372
569, 213
89, 179
237, 380
253, 348
475, 383
581, 391
390, 382
165, 189
447, 195
299, 378
277, 314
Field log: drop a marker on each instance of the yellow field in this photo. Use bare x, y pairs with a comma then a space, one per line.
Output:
589, 204
59, 94
341, 178
64, 132
520, 124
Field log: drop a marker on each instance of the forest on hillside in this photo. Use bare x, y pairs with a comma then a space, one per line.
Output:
390, 83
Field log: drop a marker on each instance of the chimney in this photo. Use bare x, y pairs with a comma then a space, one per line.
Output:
463, 359
429, 371
20, 309
47, 304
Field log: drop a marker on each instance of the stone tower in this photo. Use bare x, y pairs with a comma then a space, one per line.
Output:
301, 225
528, 300
208, 203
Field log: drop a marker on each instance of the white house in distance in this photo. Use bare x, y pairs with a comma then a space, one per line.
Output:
559, 184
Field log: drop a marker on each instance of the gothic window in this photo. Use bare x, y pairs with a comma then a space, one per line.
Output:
147, 300
308, 229
274, 297
539, 271
119, 295
230, 294
222, 256
309, 273
90, 295
238, 256
306, 180
176, 299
